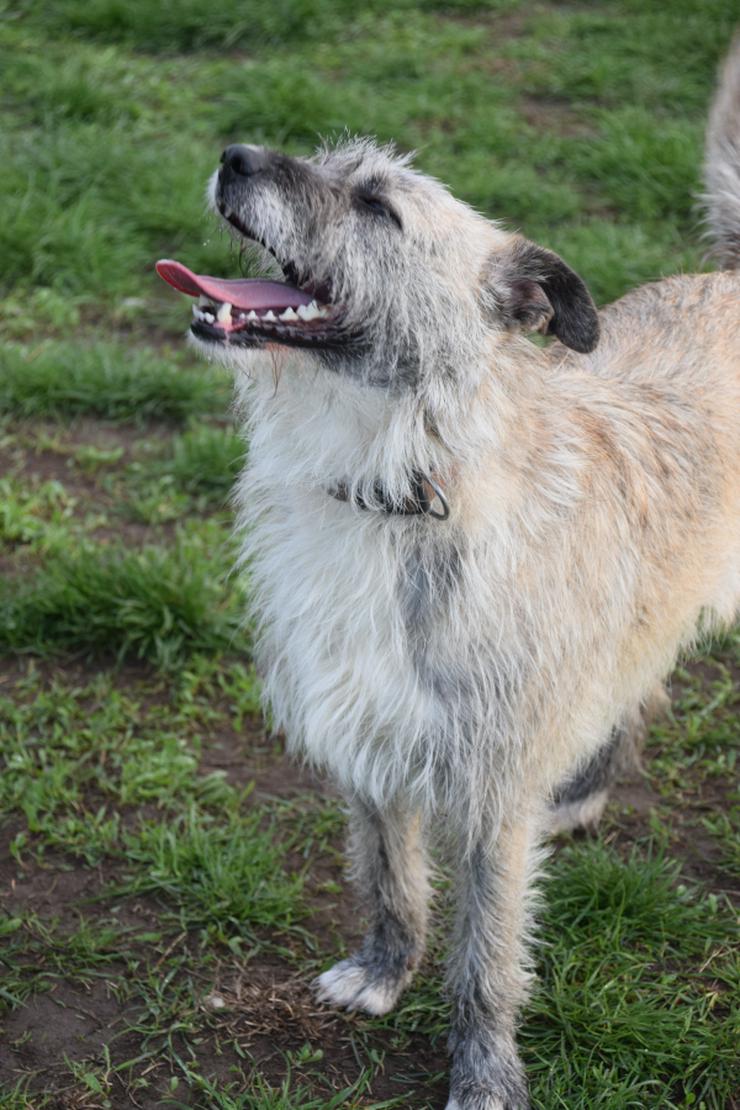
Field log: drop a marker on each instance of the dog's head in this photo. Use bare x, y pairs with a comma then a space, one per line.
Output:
387, 276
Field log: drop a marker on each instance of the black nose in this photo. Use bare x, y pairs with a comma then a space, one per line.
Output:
244, 160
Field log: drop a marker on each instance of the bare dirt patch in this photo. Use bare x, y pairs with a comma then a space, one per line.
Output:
268, 1011
252, 1015
50, 453
554, 115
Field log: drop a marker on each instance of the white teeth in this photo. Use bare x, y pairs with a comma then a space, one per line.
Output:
201, 314
309, 312
316, 311
207, 311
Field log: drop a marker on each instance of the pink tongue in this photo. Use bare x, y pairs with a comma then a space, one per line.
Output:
246, 293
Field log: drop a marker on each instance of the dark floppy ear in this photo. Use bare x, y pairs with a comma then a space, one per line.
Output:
537, 291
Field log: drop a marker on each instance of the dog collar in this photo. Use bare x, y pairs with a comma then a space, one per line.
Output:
426, 489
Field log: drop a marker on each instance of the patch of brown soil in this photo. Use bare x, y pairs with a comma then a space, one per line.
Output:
252, 1013
267, 1011
55, 1024
252, 754
636, 799
507, 25
549, 114
52, 890
55, 461
30, 460
707, 671
134, 676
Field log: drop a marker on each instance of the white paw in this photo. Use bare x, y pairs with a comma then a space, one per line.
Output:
348, 986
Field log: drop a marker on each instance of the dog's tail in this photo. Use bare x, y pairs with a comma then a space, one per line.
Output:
722, 164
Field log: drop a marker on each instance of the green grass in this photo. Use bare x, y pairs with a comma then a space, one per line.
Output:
202, 463
194, 473
222, 875
158, 851
631, 92
636, 963
168, 26
264, 1096
37, 516
150, 604
61, 380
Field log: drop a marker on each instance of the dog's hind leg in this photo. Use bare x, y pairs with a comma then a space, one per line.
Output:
488, 973
390, 869
579, 801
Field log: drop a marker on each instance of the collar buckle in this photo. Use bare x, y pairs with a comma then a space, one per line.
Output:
428, 502
425, 492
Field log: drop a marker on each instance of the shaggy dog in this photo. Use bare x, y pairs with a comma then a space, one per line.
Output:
472, 559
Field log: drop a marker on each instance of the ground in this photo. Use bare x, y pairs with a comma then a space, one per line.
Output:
170, 882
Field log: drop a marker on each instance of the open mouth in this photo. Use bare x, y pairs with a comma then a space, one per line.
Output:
252, 311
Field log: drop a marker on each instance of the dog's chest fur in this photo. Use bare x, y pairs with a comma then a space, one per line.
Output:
366, 667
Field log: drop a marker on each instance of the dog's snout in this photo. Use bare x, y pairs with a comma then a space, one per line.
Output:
245, 161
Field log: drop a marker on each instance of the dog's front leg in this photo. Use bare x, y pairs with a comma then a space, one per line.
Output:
487, 974
390, 868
